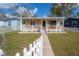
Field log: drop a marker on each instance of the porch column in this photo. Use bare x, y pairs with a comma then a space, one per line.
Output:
41, 25
32, 25
46, 25
63, 25
21, 23
56, 24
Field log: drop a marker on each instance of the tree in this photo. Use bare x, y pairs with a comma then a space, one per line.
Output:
77, 14
62, 9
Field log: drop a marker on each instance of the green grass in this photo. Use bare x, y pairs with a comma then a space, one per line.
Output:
16, 42
0, 39
65, 44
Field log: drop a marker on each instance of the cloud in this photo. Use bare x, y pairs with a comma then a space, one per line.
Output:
35, 10
19, 8
78, 4
44, 15
23, 10
7, 5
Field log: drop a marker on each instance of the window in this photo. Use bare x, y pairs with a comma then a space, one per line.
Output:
74, 23
9, 23
52, 22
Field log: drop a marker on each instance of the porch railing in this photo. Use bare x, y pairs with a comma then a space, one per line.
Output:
31, 28
55, 28
37, 28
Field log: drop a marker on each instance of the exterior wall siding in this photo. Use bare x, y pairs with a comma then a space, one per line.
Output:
14, 24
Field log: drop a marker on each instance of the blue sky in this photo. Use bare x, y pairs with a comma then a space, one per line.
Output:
43, 9
76, 10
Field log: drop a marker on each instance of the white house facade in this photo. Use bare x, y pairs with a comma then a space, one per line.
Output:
36, 24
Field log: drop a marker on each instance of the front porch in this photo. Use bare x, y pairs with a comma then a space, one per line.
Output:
49, 24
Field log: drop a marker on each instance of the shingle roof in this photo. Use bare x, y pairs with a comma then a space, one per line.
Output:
3, 17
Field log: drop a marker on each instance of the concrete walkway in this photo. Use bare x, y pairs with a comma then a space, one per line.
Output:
47, 49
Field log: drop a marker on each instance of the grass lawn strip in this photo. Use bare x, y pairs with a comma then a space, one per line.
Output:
16, 42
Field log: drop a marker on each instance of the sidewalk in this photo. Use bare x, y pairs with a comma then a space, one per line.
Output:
47, 49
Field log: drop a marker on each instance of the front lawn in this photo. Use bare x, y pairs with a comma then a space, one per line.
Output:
0, 39
65, 43
16, 42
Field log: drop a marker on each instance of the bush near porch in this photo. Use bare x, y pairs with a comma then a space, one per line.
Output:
16, 42
65, 44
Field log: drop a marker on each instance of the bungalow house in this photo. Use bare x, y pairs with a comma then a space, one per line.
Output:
36, 24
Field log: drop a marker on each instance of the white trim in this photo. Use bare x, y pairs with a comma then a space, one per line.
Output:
41, 26
21, 24
63, 24
44, 17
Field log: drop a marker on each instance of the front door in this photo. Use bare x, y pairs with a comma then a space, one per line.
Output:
44, 25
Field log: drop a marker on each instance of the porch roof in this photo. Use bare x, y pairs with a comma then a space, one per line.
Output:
40, 18
43, 18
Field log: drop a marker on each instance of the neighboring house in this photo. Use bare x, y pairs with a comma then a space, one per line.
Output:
72, 22
12, 23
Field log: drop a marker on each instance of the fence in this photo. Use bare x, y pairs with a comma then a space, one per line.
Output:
71, 29
4, 29
35, 49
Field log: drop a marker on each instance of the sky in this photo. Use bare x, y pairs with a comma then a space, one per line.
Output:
43, 9
76, 10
